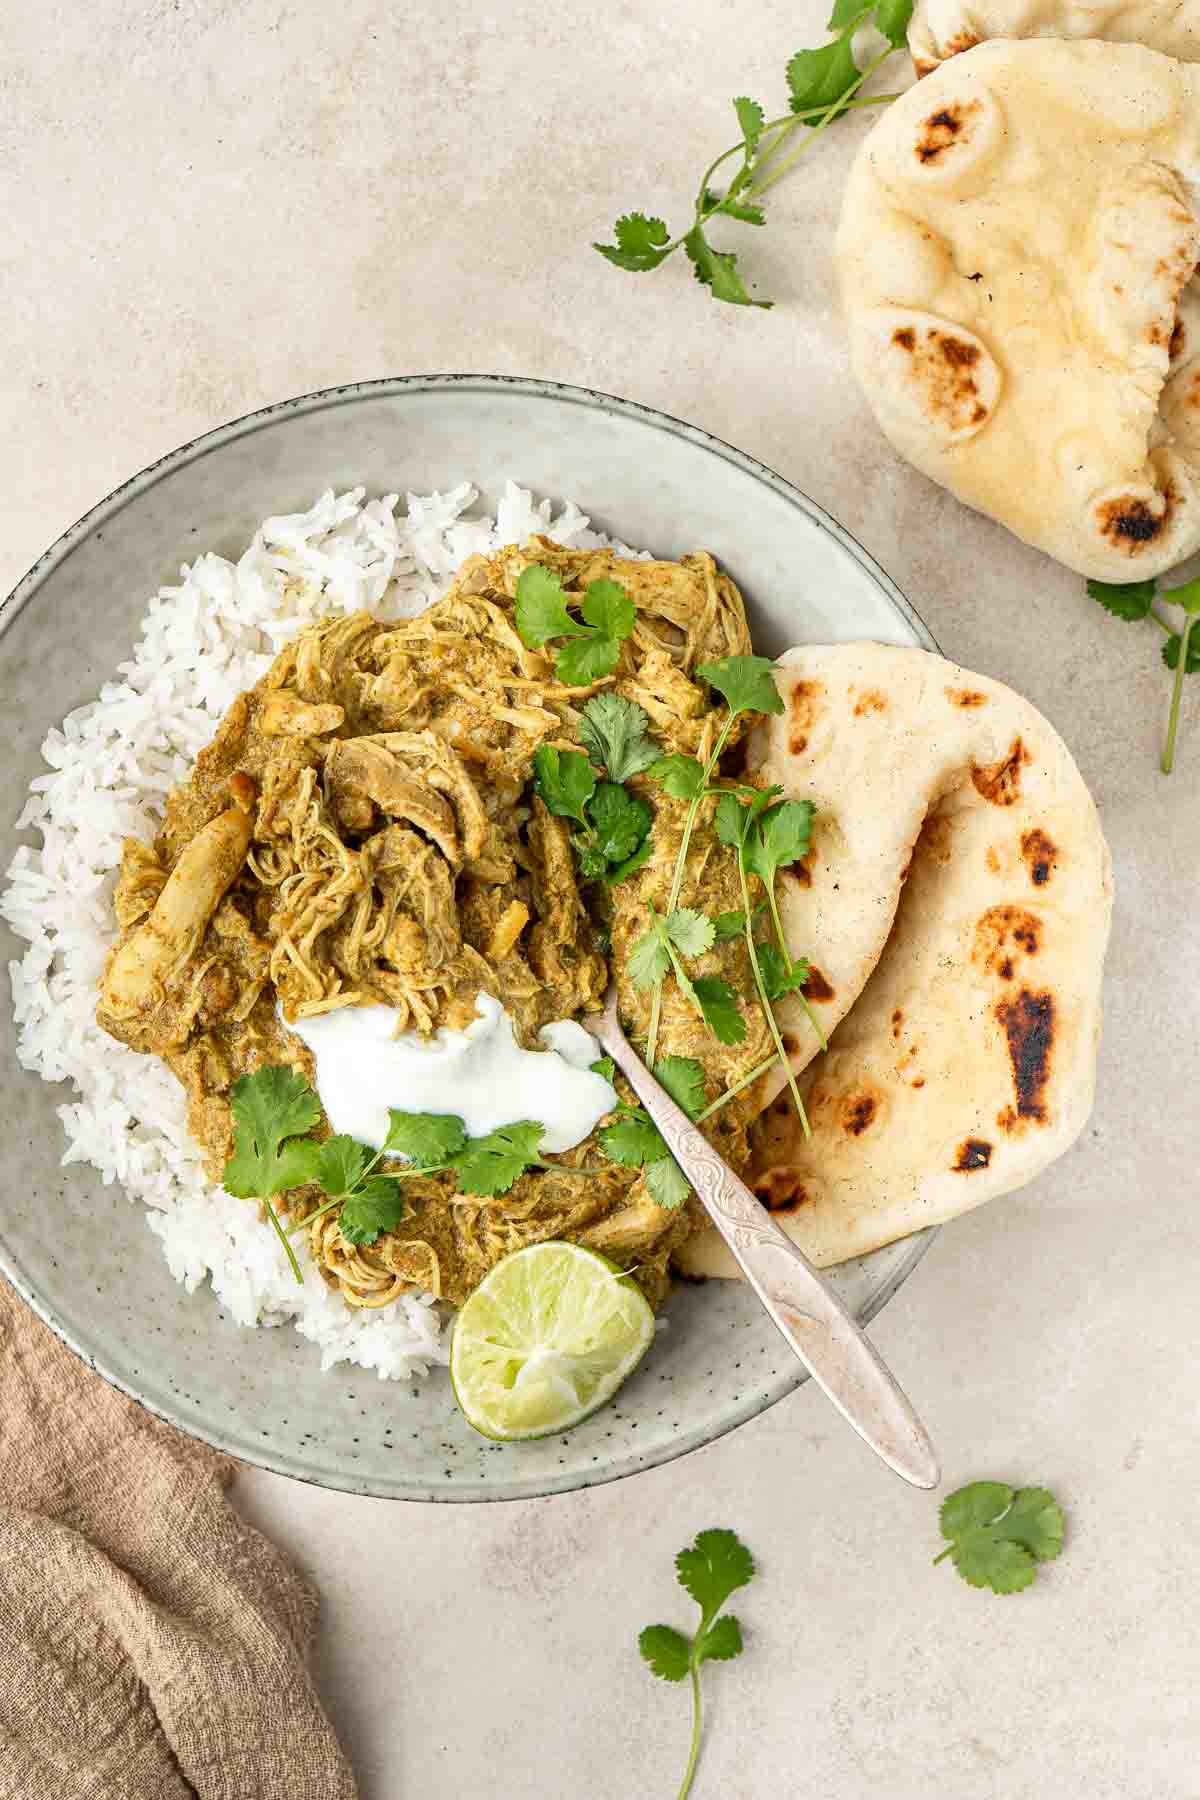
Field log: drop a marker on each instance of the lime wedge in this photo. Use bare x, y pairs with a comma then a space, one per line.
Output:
547, 1337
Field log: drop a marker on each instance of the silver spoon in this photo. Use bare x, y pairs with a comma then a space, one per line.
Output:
829, 1341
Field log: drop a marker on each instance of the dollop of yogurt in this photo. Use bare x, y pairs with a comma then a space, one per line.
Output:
364, 1066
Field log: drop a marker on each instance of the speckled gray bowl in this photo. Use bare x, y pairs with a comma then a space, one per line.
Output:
79, 1252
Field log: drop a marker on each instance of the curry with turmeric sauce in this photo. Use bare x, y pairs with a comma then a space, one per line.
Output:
363, 829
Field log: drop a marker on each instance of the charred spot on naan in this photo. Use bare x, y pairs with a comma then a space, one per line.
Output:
1041, 855
973, 1153
860, 1109
871, 700
943, 129
817, 987
1028, 1022
1003, 934
966, 697
1132, 521
1000, 782
804, 709
781, 1190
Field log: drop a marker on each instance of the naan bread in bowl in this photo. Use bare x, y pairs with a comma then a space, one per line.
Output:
1017, 251
950, 807
940, 29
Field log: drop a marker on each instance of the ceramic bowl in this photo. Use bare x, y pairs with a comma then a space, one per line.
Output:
79, 1252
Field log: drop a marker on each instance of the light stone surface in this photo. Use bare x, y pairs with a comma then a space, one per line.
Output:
205, 207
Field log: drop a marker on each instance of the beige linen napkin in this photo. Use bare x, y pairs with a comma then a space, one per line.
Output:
151, 1643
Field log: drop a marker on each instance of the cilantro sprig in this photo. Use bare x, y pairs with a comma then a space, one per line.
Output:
710, 1570
616, 824
823, 84
615, 733
1134, 600
275, 1106
634, 1140
999, 1534
594, 640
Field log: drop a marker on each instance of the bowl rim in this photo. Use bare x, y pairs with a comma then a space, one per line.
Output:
230, 1442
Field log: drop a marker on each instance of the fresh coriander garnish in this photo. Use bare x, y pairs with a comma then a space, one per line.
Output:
616, 824
593, 642
1136, 600
686, 932
634, 1140
615, 733
564, 780
823, 84
483, 1166
271, 1110
710, 1570
999, 1534
746, 685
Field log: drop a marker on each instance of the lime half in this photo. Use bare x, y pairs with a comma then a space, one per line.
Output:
547, 1337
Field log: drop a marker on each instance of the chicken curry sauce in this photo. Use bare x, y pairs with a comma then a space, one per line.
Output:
365, 829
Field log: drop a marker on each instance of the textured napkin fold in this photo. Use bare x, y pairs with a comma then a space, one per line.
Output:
151, 1642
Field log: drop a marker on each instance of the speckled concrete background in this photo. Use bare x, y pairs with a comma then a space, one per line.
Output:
205, 207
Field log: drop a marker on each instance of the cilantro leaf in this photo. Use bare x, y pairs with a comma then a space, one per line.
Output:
776, 979
649, 959
585, 660
1170, 652
732, 820
618, 822
733, 924
614, 732
683, 1078
640, 243
892, 19
667, 1651
745, 682
604, 1066
1124, 599
691, 932
269, 1107
633, 1139
666, 1183
489, 1165
781, 836
998, 1535
734, 208
541, 608
681, 776
608, 608
820, 78
721, 1642
750, 118
847, 12
341, 1164
718, 1003
430, 1140
377, 1205
564, 780
718, 270
632, 864
712, 1568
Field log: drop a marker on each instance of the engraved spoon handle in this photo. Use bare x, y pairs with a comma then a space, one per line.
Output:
826, 1337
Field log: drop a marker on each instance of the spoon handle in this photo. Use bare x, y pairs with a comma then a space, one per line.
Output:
825, 1336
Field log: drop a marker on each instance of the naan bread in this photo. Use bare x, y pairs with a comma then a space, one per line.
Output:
944, 28
1017, 248
967, 1064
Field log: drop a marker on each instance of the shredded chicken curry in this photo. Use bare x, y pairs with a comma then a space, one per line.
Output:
363, 829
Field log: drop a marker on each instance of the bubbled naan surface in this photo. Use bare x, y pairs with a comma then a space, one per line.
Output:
1017, 254
944, 28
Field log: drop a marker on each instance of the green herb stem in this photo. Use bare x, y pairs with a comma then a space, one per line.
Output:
1168, 755
731, 1093
778, 169
787, 957
768, 1009
281, 1234
677, 881
792, 121
689, 1774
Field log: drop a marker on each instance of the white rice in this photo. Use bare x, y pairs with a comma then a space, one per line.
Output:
111, 763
